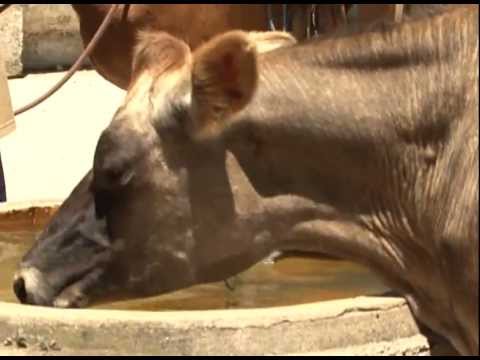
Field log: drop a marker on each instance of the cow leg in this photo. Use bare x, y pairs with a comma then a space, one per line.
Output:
439, 346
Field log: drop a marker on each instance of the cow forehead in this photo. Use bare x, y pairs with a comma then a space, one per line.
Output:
150, 97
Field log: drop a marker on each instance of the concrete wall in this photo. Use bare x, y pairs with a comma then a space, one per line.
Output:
53, 145
39, 37
11, 40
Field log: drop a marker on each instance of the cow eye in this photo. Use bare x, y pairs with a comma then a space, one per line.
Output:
103, 202
113, 175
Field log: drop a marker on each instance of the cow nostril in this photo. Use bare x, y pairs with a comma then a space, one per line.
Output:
19, 289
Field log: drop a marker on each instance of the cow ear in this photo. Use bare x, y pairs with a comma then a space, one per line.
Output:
224, 78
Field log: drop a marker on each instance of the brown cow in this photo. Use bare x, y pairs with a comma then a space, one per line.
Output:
192, 23
383, 128
196, 23
347, 140
79, 258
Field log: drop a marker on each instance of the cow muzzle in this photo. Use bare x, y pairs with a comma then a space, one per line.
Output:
31, 287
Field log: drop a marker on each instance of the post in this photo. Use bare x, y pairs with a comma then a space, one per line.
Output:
7, 119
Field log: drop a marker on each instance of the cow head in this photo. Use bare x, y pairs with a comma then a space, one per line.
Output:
157, 212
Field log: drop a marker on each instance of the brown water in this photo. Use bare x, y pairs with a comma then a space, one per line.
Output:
289, 281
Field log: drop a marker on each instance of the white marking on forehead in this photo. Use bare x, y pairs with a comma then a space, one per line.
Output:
139, 93
149, 94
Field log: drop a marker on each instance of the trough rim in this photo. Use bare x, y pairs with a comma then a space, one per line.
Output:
222, 317
377, 323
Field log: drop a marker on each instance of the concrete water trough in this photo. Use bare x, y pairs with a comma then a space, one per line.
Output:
352, 320
358, 325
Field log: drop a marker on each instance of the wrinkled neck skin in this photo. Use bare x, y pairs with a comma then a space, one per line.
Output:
383, 130
201, 219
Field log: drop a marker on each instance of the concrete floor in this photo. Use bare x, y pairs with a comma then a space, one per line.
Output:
412, 346
53, 145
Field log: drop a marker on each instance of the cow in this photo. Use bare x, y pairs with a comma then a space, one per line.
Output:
192, 23
81, 221
383, 128
363, 147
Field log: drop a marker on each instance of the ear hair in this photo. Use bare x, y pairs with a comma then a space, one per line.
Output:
266, 41
224, 78
159, 52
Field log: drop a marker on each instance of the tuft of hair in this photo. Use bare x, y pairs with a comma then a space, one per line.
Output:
158, 52
266, 41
